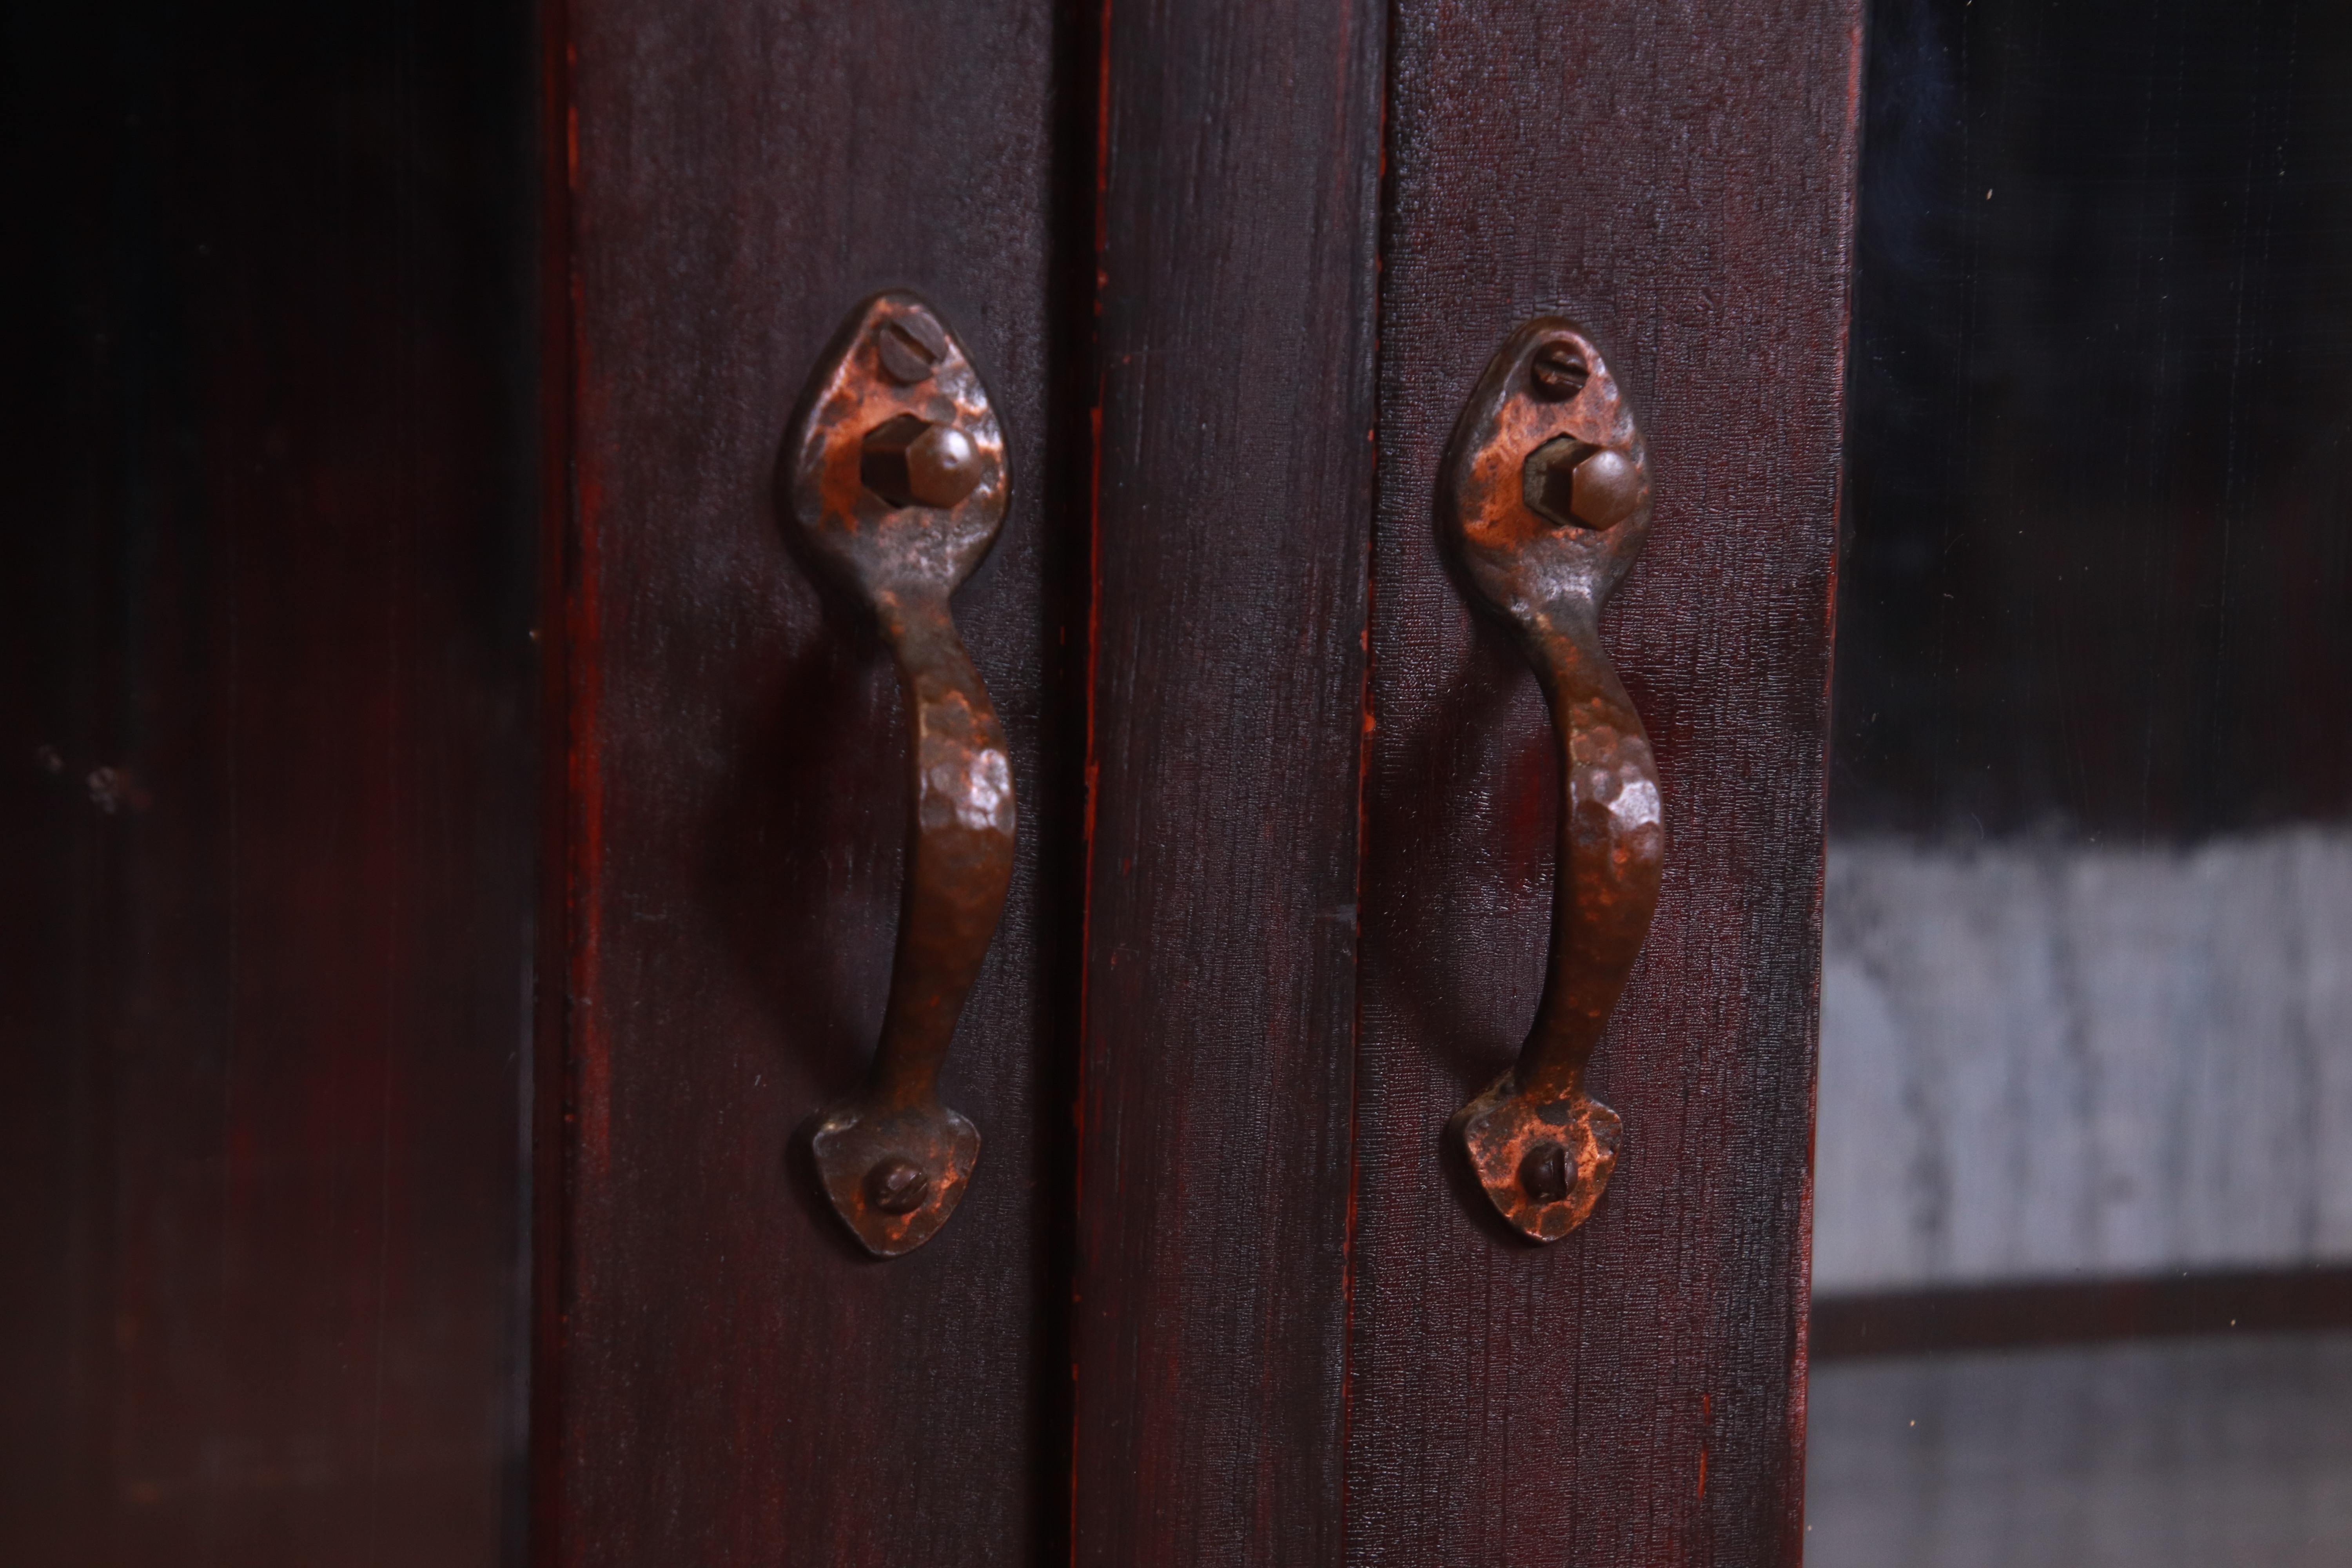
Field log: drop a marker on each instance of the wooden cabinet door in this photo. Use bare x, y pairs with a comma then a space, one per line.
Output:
1219, 1292
724, 1374
1325, 788
1678, 179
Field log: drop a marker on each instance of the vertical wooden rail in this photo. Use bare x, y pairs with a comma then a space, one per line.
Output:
734, 1379
1676, 179
1238, 166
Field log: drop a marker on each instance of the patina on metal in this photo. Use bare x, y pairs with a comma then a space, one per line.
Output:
1546, 497
895, 472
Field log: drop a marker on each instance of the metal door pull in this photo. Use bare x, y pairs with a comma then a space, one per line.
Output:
1546, 496
897, 473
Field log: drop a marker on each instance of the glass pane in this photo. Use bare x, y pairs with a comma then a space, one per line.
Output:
2087, 1068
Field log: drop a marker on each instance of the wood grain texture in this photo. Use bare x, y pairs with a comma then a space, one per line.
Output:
266, 745
1677, 179
1238, 206
737, 1381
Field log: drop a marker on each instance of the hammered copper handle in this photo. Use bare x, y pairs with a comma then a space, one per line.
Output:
1546, 494
896, 474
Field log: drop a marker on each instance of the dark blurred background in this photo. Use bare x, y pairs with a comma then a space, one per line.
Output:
2097, 570
266, 755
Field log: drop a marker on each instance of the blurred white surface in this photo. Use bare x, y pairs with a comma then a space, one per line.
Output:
2053, 1062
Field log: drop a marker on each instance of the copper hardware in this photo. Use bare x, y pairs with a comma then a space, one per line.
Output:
910, 461
896, 1185
1546, 498
1558, 372
897, 475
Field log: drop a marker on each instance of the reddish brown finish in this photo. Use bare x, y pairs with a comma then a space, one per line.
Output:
281, 918
894, 1161
1237, 216
1546, 497
739, 1382
1676, 179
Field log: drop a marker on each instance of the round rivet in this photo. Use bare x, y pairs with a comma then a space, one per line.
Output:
943, 467
910, 461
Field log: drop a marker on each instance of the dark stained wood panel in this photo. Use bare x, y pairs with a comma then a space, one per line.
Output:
731, 1379
1677, 179
267, 772
1238, 200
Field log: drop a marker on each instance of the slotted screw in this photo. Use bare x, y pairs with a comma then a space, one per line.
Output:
896, 1185
1543, 1174
1558, 372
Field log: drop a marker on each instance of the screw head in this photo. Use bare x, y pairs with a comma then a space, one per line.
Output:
1544, 1173
896, 1185
904, 358
1558, 372
910, 461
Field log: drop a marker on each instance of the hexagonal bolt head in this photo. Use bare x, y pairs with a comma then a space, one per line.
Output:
1574, 483
910, 461
896, 1185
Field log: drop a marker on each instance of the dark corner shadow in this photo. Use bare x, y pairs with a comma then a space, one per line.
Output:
823, 768
1441, 991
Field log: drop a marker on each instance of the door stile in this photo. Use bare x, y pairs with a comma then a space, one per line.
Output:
726, 1374
1239, 156
1677, 181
